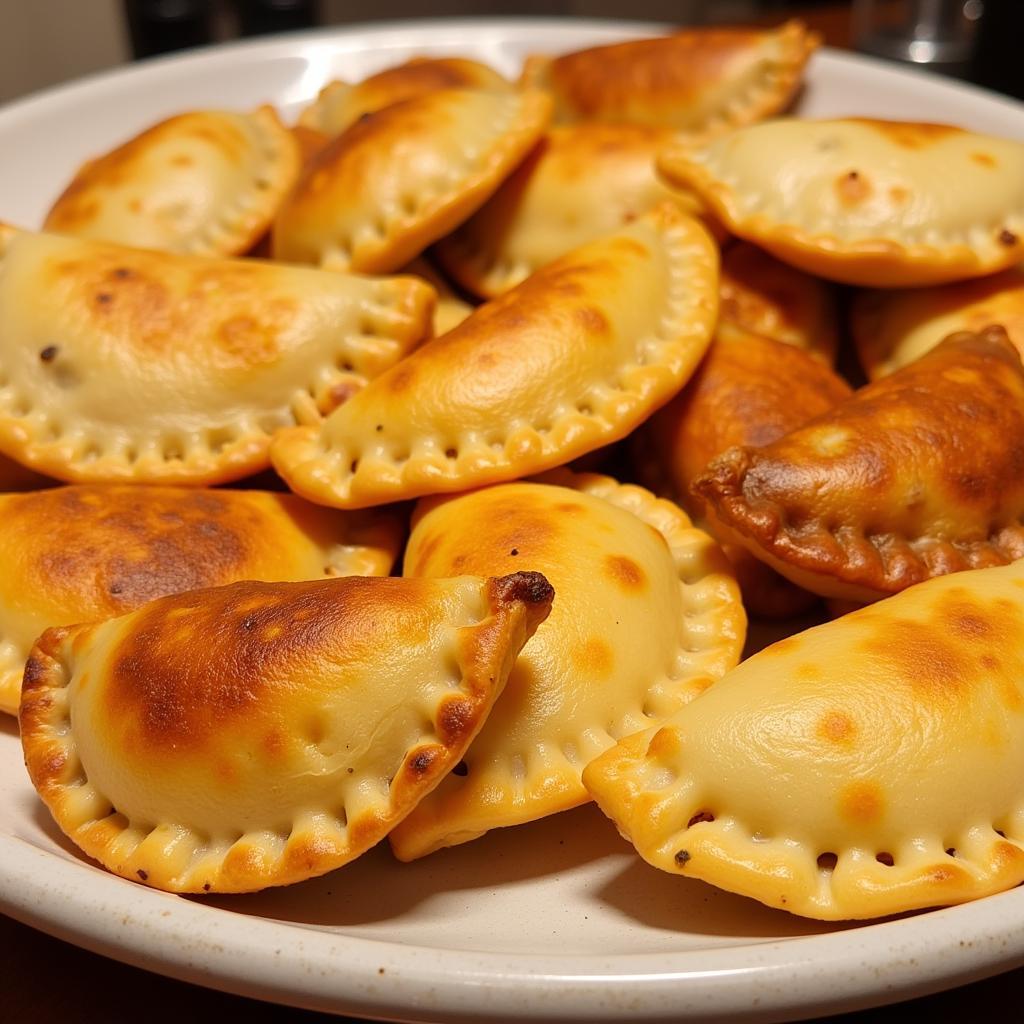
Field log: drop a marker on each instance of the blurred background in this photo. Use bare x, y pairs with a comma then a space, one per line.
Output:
43, 42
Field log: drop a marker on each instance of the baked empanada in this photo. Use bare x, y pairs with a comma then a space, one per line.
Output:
869, 766
122, 364
230, 739
893, 328
403, 177
700, 81
206, 183
748, 390
451, 309
647, 616
339, 104
579, 183
81, 553
918, 474
573, 359
768, 297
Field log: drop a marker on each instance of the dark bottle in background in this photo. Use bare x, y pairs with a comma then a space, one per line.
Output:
997, 60
160, 26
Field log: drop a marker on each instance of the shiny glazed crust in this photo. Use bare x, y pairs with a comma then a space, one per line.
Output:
866, 767
219, 741
572, 359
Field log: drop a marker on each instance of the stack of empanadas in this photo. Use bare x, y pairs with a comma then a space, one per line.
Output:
447, 286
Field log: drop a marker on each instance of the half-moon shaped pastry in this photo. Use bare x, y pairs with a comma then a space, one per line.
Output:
121, 364
339, 104
893, 328
771, 298
648, 616
869, 766
81, 553
230, 739
918, 474
699, 81
748, 390
206, 183
888, 204
403, 177
574, 358
579, 183
451, 309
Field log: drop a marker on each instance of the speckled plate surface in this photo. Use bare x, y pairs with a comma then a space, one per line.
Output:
558, 920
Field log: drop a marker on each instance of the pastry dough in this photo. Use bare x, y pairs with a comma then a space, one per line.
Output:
748, 390
340, 104
574, 358
84, 553
403, 177
879, 203
121, 364
918, 474
579, 183
206, 183
893, 328
699, 81
766, 296
647, 616
259, 734
869, 766
451, 309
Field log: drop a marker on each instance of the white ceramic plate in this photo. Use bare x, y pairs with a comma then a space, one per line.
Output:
558, 920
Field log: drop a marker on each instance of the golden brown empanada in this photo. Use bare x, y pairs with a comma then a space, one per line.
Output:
893, 328
880, 203
748, 390
769, 297
574, 358
340, 104
918, 474
867, 767
229, 739
403, 177
206, 183
579, 183
451, 309
647, 616
699, 81
122, 364
84, 553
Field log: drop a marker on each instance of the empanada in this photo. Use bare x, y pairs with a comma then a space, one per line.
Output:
451, 309
893, 328
647, 616
403, 177
122, 364
748, 390
869, 766
84, 553
339, 104
579, 183
918, 474
206, 183
699, 81
880, 203
229, 739
573, 359
769, 297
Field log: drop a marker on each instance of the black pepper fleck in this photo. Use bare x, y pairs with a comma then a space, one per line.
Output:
682, 856
142, 874
49, 353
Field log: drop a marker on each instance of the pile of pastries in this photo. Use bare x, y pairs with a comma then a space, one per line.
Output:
413, 470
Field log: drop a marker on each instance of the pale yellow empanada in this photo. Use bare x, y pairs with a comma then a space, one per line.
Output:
579, 183
403, 177
85, 553
878, 203
700, 81
121, 364
339, 104
893, 328
648, 615
869, 766
225, 740
574, 358
206, 183
451, 309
